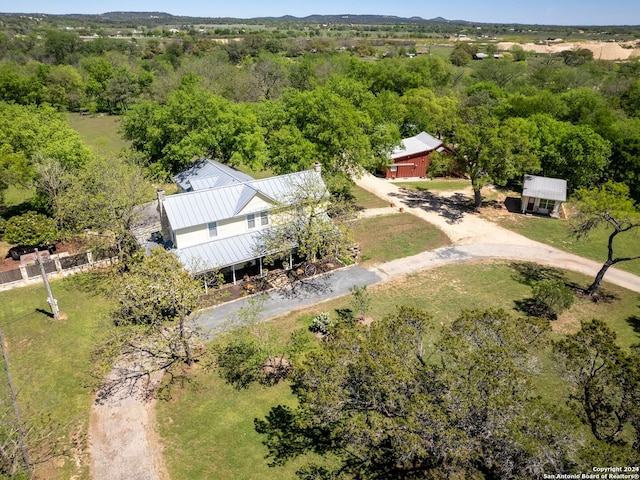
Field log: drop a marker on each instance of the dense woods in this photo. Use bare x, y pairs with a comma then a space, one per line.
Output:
273, 100
376, 402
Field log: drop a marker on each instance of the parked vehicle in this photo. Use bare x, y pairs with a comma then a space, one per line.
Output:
19, 250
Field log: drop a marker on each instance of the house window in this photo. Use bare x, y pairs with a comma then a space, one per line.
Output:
264, 218
546, 204
251, 220
213, 229
393, 168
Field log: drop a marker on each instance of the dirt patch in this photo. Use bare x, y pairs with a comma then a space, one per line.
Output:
566, 324
123, 439
365, 320
601, 50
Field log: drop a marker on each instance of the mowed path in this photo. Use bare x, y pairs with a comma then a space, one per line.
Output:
123, 435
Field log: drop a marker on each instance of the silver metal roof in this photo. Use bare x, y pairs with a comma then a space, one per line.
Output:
220, 253
545, 187
423, 142
209, 205
199, 175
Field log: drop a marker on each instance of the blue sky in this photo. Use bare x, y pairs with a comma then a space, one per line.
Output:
556, 12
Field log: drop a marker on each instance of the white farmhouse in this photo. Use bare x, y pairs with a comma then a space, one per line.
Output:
216, 221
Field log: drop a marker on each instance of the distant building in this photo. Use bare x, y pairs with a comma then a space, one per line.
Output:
411, 158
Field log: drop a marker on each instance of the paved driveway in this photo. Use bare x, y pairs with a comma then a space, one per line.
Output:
472, 237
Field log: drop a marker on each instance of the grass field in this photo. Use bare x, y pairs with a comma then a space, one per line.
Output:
388, 237
50, 363
100, 133
441, 185
366, 199
15, 196
215, 421
208, 430
557, 234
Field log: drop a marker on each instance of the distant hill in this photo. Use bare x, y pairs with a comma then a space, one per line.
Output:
152, 19
163, 18
360, 19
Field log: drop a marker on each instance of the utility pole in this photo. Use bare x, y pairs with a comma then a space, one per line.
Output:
53, 303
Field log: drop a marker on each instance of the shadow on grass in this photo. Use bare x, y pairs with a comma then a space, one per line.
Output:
528, 273
44, 312
96, 282
21, 209
634, 321
531, 308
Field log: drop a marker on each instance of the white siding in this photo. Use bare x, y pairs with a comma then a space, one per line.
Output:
257, 204
536, 206
232, 226
188, 237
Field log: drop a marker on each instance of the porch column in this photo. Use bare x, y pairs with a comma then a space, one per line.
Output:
260, 266
233, 269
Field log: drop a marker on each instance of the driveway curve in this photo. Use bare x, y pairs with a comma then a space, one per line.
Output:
472, 239
475, 238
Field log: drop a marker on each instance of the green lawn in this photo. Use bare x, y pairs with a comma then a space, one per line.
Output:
441, 185
50, 361
16, 195
388, 237
100, 133
366, 199
208, 431
557, 234
214, 421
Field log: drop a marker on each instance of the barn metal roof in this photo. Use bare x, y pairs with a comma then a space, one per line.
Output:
545, 187
423, 142
213, 204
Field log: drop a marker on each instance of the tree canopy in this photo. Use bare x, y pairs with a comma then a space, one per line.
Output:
611, 206
487, 150
194, 123
383, 404
105, 197
28, 133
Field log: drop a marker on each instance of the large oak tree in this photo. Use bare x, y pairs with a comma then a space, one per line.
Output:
382, 402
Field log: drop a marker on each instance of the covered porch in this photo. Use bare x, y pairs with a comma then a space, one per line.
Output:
234, 257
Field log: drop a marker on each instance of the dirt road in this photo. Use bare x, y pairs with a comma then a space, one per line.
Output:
475, 238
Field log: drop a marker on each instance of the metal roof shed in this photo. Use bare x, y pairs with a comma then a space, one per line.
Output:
543, 194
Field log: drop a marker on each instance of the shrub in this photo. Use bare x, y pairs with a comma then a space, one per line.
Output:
31, 228
552, 296
322, 323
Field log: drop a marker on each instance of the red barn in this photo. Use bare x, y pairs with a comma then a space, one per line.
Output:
411, 159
